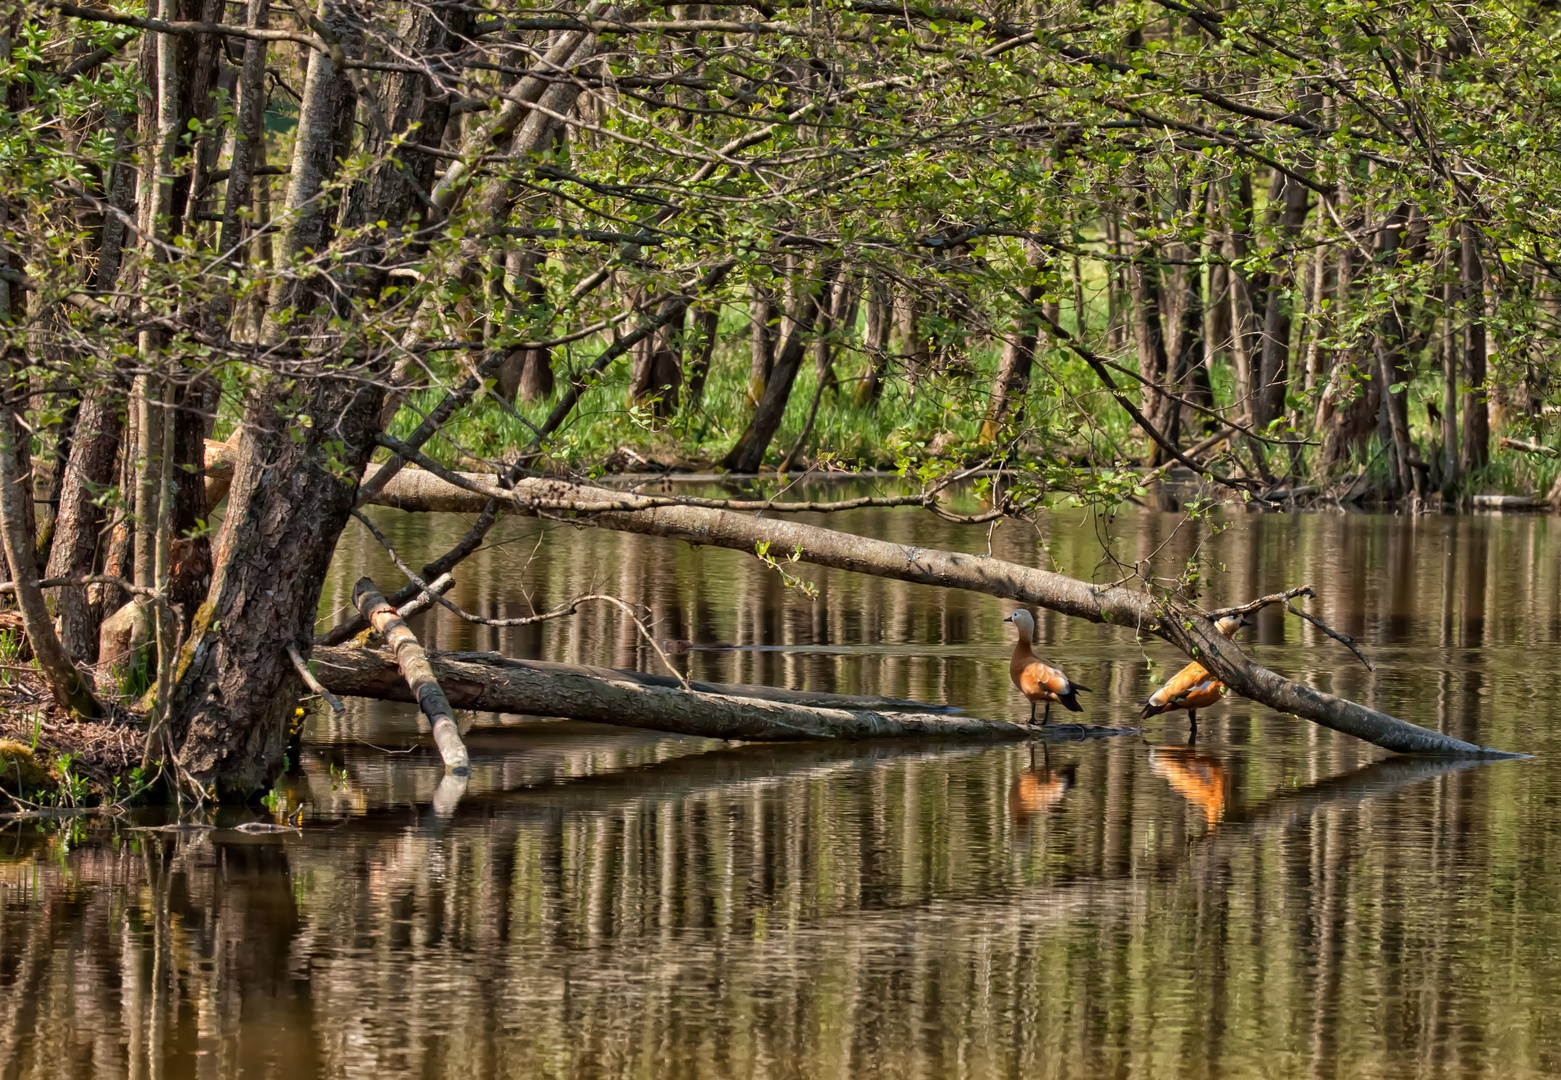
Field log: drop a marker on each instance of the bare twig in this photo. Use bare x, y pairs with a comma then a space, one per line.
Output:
1262, 602
310, 681
1285, 598
526, 620
1347, 642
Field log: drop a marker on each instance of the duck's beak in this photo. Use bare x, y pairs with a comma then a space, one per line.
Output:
1008, 618
1244, 621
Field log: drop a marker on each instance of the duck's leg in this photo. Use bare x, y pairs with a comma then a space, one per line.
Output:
1047, 715
1192, 731
1032, 714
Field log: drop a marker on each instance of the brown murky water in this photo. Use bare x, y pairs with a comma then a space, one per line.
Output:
1276, 901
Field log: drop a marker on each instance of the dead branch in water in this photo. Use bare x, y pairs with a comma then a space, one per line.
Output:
491, 683
1261, 602
1285, 598
412, 662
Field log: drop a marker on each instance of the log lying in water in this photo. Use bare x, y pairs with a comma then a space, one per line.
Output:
490, 683
1177, 621
814, 698
413, 672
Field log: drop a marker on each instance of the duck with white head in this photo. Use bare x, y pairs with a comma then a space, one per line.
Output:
1193, 687
1038, 681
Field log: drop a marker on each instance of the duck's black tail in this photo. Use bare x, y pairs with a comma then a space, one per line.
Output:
1070, 700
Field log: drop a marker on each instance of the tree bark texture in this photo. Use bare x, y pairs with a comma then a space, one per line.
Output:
77, 538
287, 506
252, 97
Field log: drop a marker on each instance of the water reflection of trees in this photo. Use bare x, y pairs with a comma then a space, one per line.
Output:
794, 911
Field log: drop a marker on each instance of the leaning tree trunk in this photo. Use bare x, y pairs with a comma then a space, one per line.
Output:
286, 508
66, 684
291, 493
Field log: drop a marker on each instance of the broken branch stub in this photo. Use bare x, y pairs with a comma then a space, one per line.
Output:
412, 661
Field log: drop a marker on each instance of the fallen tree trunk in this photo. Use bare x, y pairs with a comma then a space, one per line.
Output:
413, 671
1167, 617
490, 683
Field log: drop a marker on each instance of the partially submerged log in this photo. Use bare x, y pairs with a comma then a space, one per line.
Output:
414, 672
1507, 502
1168, 617
490, 683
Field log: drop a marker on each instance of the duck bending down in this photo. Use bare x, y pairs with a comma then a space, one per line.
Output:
1037, 681
1193, 688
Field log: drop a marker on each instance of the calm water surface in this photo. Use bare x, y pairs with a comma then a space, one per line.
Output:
1276, 901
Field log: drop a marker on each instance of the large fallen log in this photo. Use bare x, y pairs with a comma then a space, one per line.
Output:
489, 683
1167, 617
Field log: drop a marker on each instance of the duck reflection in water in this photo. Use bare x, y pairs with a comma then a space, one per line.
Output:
1199, 778
1038, 789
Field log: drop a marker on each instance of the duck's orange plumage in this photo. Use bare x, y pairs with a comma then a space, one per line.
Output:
1041, 683
1192, 688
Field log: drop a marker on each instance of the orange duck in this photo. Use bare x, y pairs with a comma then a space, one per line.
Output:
1038, 681
1193, 688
